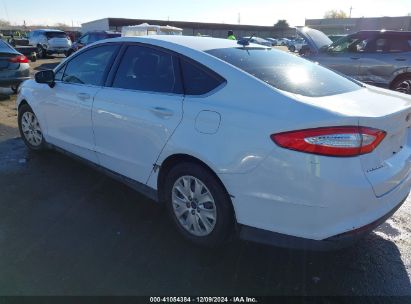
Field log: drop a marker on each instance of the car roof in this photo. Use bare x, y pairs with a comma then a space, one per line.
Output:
48, 30
192, 42
405, 33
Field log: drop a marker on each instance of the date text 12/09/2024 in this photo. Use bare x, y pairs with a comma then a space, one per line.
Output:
203, 300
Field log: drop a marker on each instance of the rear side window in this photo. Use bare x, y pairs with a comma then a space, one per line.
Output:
199, 80
89, 67
149, 70
287, 72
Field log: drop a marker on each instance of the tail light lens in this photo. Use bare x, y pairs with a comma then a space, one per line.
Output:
19, 59
332, 141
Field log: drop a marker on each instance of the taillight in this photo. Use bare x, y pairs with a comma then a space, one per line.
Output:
19, 59
331, 141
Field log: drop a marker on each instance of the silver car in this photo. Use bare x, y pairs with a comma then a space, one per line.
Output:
14, 67
380, 58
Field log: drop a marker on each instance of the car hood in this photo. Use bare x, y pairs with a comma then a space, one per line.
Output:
315, 39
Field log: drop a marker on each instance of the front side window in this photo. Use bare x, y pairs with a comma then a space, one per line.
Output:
89, 67
287, 72
148, 69
350, 44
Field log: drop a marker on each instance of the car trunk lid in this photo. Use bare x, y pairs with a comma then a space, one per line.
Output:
390, 163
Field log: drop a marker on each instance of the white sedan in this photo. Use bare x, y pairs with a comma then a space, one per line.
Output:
231, 138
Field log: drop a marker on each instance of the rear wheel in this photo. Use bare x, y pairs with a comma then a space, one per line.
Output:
403, 84
30, 129
198, 205
41, 52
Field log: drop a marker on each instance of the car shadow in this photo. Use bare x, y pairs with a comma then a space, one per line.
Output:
66, 229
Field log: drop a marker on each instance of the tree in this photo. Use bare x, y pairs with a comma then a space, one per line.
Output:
282, 24
61, 25
335, 14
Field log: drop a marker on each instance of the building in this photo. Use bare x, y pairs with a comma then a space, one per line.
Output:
218, 30
353, 25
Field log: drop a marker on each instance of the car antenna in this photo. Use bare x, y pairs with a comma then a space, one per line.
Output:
245, 42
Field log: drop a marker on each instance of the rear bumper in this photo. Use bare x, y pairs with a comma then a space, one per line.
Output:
57, 50
333, 243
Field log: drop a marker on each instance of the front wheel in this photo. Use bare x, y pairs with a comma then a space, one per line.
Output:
41, 52
30, 129
199, 205
292, 49
403, 84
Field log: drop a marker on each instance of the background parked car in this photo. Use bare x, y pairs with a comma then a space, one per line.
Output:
380, 58
91, 37
49, 42
296, 45
14, 67
258, 40
283, 41
273, 41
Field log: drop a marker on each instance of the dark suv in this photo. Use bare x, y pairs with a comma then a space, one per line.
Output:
91, 37
380, 58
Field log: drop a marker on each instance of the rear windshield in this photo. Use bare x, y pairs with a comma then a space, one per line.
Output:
51, 35
287, 72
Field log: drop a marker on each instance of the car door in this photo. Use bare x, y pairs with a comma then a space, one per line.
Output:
68, 104
384, 57
138, 111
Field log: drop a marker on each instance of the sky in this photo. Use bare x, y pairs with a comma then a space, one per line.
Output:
256, 12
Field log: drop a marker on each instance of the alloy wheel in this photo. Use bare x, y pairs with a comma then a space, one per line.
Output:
31, 129
194, 206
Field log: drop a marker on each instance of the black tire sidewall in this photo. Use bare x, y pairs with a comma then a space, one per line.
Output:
225, 214
399, 80
23, 109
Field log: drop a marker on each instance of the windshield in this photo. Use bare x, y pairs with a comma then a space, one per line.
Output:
319, 38
287, 72
51, 35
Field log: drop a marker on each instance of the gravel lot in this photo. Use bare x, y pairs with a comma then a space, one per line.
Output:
66, 229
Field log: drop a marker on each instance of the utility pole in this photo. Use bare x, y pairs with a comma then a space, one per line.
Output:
239, 18
351, 8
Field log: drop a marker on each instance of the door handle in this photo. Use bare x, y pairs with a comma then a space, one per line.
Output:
83, 96
400, 59
355, 58
162, 112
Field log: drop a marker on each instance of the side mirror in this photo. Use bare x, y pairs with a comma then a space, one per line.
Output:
46, 76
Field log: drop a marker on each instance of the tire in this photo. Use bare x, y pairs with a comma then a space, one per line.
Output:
208, 224
41, 52
14, 88
292, 49
30, 129
68, 53
402, 84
